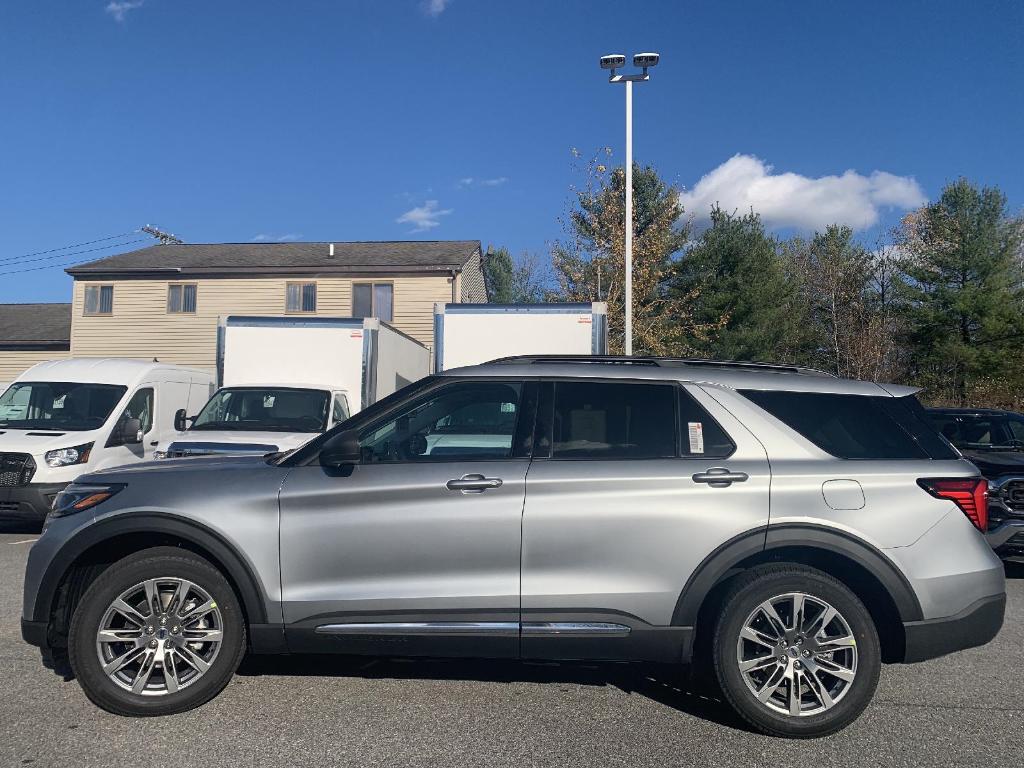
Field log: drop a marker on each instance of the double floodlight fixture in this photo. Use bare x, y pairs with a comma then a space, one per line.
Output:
614, 61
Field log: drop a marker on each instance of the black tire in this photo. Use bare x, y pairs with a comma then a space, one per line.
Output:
155, 563
766, 582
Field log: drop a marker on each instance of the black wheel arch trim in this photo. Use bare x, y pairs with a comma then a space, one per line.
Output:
785, 535
238, 570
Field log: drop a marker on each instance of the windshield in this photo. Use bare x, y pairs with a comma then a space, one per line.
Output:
262, 409
981, 431
65, 405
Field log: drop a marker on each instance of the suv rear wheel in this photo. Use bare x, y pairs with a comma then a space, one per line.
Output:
795, 651
158, 632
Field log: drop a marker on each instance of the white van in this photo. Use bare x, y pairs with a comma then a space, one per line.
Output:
64, 418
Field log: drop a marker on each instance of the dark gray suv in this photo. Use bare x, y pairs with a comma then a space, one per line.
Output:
790, 530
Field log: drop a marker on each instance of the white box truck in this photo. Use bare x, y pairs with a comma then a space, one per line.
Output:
469, 334
64, 418
284, 380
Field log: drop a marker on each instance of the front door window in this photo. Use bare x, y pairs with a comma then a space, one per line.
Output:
141, 407
465, 421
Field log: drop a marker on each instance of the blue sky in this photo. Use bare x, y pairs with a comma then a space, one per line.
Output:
401, 119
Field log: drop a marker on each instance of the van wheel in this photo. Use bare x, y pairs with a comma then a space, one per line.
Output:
795, 652
158, 632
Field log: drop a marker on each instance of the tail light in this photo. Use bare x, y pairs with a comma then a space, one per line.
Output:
968, 493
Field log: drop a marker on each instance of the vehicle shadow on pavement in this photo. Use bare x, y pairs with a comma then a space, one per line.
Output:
1014, 570
18, 525
667, 685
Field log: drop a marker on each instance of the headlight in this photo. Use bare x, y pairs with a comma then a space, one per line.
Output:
78, 498
65, 457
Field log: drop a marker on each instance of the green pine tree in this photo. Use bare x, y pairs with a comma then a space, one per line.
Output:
964, 292
735, 271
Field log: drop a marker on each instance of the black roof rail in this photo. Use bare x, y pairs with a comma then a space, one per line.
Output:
662, 362
605, 359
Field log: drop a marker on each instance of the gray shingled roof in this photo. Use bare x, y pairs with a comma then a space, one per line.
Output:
35, 324
231, 258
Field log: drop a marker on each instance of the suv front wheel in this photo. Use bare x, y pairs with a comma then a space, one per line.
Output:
795, 651
159, 632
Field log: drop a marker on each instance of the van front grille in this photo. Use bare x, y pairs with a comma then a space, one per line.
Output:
16, 469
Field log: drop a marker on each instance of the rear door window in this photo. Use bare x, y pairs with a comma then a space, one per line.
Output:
857, 426
599, 420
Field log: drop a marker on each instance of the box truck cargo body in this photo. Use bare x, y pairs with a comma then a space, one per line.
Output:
469, 334
286, 379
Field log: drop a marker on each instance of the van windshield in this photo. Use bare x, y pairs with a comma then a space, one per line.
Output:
281, 409
66, 405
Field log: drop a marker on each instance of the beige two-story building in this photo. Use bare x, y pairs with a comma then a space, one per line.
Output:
30, 334
166, 301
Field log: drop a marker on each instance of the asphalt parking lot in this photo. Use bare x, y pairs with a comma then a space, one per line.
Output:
965, 709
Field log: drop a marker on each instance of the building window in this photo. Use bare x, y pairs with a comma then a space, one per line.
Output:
181, 299
301, 297
99, 299
373, 300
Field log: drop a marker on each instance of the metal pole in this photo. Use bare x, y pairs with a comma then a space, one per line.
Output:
629, 217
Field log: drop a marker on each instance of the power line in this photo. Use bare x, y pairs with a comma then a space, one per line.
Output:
73, 245
69, 263
19, 260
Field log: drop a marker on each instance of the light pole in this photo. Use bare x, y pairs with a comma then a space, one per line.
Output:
613, 62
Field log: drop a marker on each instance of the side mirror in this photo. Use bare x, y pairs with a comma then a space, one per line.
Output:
131, 432
341, 449
180, 420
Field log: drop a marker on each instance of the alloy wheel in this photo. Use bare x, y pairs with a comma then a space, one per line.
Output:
797, 654
159, 636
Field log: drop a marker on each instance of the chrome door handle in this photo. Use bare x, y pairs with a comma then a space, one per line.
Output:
720, 477
473, 483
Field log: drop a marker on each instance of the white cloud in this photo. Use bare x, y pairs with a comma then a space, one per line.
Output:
434, 7
265, 238
424, 217
119, 8
469, 181
745, 182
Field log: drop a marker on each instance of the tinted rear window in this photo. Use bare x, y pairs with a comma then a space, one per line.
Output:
858, 426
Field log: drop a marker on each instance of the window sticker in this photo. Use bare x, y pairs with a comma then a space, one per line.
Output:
268, 401
696, 431
59, 401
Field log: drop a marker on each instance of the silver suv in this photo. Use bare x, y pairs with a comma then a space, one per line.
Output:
789, 530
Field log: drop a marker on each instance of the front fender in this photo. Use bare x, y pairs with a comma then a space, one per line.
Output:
142, 528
